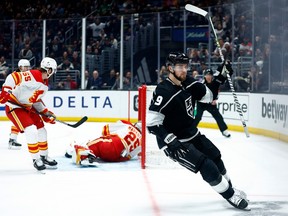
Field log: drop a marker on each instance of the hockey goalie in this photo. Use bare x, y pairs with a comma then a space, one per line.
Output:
119, 142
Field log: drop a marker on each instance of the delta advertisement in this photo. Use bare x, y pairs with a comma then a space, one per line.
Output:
261, 112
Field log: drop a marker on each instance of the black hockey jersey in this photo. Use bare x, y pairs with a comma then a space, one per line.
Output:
214, 87
172, 109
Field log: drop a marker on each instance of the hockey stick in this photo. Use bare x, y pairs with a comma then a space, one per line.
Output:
77, 124
205, 14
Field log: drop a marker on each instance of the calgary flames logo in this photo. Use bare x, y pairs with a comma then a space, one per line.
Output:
35, 96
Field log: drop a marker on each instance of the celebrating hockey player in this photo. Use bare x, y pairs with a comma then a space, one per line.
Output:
213, 82
170, 118
22, 94
23, 65
119, 142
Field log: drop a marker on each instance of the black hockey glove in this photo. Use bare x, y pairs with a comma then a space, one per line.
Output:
228, 69
174, 147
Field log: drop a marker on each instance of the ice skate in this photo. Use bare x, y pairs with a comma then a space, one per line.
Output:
241, 194
67, 155
238, 200
49, 162
226, 134
12, 144
38, 164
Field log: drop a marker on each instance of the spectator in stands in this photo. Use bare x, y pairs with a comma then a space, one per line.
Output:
76, 46
193, 54
3, 64
195, 75
3, 70
258, 43
276, 45
18, 46
96, 27
60, 38
76, 61
87, 77
55, 47
129, 82
245, 48
89, 50
111, 79
116, 85
95, 82
220, 31
65, 56
66, 65
49, 37
113, 26
105, 44
242, 83
26, 52
204, 54
60, 85
225, 48
113, 41
68, 84
227, 24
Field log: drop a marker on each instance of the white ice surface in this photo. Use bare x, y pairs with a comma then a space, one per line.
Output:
258, 165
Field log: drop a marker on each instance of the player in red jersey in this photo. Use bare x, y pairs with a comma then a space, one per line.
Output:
22, 94
23, 65
119, 142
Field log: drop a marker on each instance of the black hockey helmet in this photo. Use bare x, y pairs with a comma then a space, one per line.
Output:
176, 58
208, 71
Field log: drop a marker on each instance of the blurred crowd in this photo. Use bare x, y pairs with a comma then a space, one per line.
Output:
103, 32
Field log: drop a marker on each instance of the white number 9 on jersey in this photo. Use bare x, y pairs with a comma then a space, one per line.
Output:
158, 100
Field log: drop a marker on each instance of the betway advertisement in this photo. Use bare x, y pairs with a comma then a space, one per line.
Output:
274, 111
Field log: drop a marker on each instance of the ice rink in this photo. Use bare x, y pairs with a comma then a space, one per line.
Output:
258, 165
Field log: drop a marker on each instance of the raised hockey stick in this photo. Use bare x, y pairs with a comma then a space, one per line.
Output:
205, 14
77, 124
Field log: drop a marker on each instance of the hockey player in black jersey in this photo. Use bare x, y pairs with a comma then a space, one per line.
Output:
170, 118
213, 81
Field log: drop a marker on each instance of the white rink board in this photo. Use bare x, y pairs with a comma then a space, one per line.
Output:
261, 111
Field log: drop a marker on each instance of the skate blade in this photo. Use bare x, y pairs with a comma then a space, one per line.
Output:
14, 147
245, 209
41, 172
51, 167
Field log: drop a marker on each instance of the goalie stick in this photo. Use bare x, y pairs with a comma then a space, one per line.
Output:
77, 124
205, 14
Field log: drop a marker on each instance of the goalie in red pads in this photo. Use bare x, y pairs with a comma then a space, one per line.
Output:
119, 142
